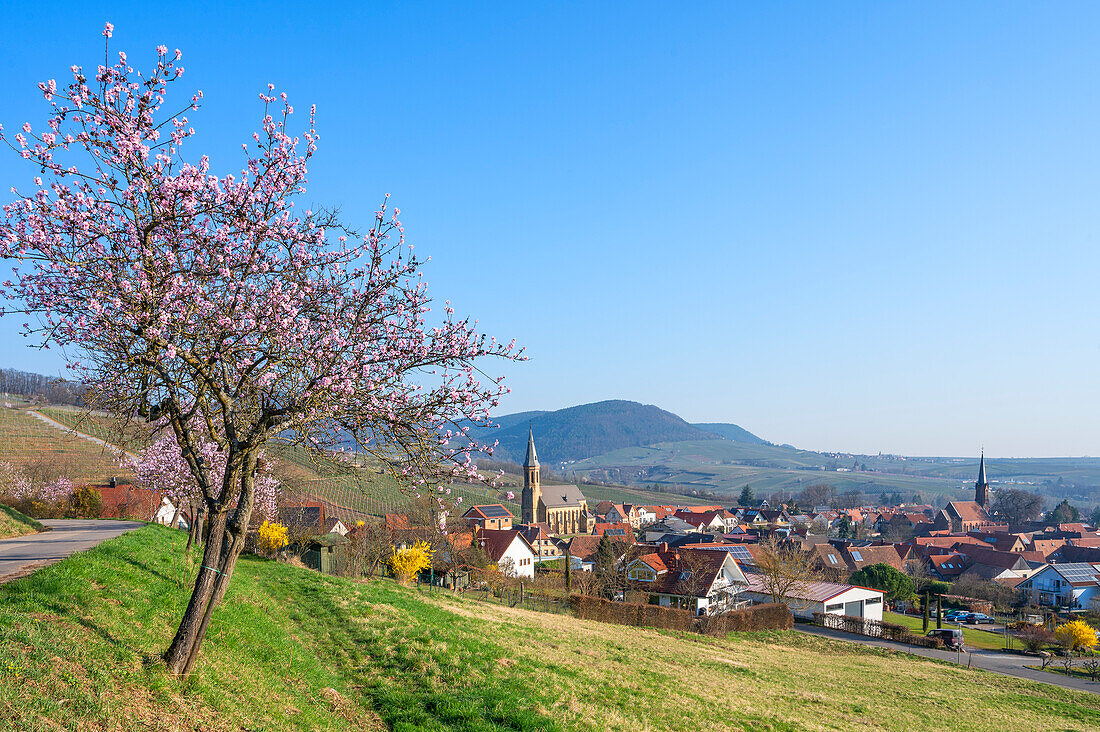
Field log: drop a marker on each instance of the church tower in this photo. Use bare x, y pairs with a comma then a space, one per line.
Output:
532, 491
981, 488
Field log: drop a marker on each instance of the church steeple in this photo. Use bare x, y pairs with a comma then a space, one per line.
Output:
532, 490
981, 487
532, 459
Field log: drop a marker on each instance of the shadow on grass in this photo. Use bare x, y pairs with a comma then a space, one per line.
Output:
66, 613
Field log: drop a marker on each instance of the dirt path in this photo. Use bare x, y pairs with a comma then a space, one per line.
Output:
70, 430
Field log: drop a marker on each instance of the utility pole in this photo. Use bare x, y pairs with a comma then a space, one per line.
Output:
939, 611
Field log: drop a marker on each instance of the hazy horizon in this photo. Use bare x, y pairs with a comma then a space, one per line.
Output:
862, 228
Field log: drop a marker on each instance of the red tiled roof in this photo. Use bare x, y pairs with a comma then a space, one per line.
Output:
584, 547
968, 511
496, 541
397, 522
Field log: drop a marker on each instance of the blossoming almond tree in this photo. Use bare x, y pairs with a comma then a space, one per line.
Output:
160, 466
217, 305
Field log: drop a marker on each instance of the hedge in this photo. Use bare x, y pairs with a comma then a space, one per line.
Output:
757, 617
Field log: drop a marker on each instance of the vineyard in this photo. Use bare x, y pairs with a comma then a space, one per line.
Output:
350, 490
42, 451
357, 488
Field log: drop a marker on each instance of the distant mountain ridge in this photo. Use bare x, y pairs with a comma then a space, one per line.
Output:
587, 430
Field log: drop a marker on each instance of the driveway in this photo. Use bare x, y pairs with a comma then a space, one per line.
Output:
1008, 664
21, 555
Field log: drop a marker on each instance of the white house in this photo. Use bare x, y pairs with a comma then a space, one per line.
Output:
833, 598
1072, 585
704, 582
508, 547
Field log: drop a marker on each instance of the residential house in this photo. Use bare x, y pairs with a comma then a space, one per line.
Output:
508, 548
947, 567
705, 582
490, 516
1074, 585
833, 598
991, 564
539, 538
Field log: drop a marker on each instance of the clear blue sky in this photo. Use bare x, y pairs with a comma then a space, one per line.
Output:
861, 227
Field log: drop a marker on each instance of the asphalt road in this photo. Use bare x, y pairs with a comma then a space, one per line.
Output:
23, 554
1009, 664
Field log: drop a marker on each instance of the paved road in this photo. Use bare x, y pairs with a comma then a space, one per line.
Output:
1009, 664
23, 554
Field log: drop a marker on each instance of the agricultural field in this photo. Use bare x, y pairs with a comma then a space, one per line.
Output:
292, 649
45, 452
725, 467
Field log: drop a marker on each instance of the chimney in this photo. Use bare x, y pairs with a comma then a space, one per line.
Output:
663, 546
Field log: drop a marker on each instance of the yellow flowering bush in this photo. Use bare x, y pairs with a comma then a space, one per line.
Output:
1076, 634
271, 537
408, 562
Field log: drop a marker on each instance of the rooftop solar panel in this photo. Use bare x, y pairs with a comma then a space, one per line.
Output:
494, 511
740, 552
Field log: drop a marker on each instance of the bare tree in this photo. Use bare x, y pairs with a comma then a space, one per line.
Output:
784, 568
1017, 506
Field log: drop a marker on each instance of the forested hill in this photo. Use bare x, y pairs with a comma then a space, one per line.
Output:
583, 431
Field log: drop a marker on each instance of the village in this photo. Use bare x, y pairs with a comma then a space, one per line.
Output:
713, 559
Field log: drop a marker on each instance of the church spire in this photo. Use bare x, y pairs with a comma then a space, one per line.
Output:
532, 490
981, 487
532, 459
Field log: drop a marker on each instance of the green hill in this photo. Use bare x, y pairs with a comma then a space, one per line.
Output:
579, 432
293, 650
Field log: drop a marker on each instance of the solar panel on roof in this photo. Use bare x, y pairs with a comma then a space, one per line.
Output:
740, 552
494, 511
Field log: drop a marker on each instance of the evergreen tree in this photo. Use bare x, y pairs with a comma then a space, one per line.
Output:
746, 498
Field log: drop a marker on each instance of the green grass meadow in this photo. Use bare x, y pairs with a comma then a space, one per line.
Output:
291, 649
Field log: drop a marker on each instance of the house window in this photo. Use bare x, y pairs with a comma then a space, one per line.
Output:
644, 575
873, 600
834, 608
832, 559
857, 556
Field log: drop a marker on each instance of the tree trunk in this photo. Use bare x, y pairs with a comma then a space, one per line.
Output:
195, 533
179, 652
223, 547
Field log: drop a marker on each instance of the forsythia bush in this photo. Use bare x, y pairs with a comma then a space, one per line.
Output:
407, 563
271, 537
1076, 634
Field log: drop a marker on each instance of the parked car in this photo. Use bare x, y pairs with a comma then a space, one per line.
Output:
953, 615
951, 637
978, 618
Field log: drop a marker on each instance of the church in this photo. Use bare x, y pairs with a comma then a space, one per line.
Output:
962, 516
563, 508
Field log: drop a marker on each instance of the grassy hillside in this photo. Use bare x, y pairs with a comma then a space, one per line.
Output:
13, 523
290, 649
732, 432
